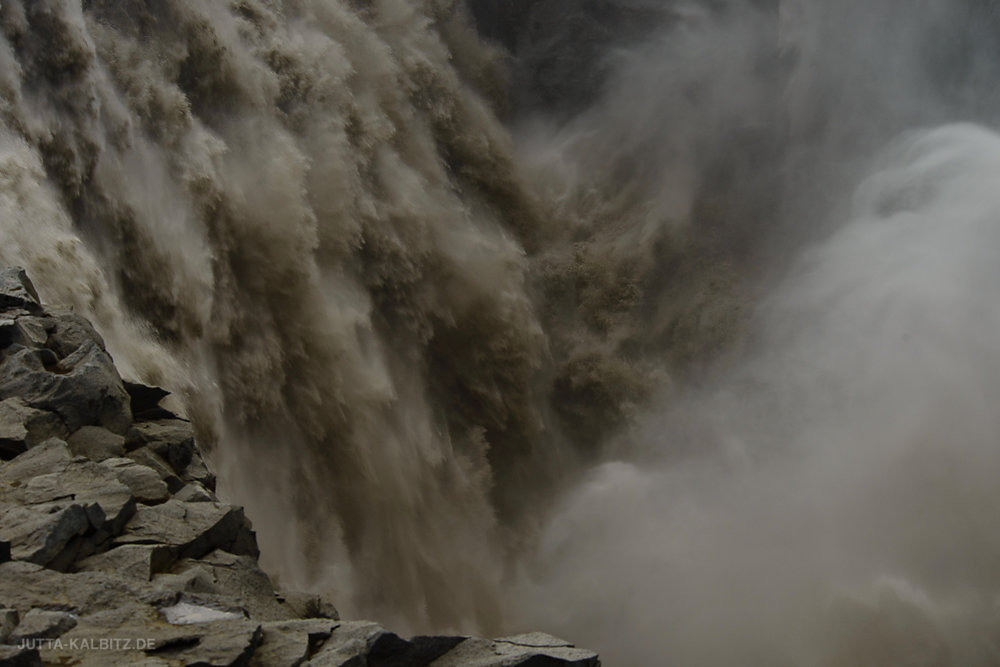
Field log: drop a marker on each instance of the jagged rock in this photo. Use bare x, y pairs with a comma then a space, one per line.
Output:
83, 388
291, 642
41, 533
108, 502
230, 580
147, 457
23, 427
351, 640
180, 573
366, 643
197, 471
144, 483
223, 643
511, 652
41, 624
171, 439
70, 332
55, 509
16, 290
195, 528
308, 605
194, 493
30, 331
96, 443
9, 618
50, 456
139, 631
12, 656
140, 561
25, 586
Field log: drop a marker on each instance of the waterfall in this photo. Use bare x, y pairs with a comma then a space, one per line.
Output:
667, 326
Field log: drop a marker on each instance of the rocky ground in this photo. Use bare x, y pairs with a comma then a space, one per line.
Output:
114, 548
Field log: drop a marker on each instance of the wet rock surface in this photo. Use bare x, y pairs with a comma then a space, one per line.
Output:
115, 550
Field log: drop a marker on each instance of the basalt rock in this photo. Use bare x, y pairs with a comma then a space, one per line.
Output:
110, 531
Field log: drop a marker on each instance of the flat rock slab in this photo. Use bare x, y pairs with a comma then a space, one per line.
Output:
196, 529
195, 493
136, 561
26, 586
485, 653
96, 443
219, 644
51, 456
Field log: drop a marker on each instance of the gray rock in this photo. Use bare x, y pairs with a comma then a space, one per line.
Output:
171, 439
12, 656
350, 640
195, 493
83, 388
147, 457
233, 581
291, 642
223, 643
23, 427
70, 332
40, 533
195, 580
506, 653
139, 624
51, 456
25, 586
16, 290
535, 640
366, 643
41, 624
144, 482
9, 618
109, 503
197, 471
96, 443
308, 605
31, 331
195, 528
54, 518
139, 561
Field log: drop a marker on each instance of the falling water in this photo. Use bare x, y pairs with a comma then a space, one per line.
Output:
674, 335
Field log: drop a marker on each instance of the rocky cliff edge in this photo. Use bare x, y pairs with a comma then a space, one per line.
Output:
114, 548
